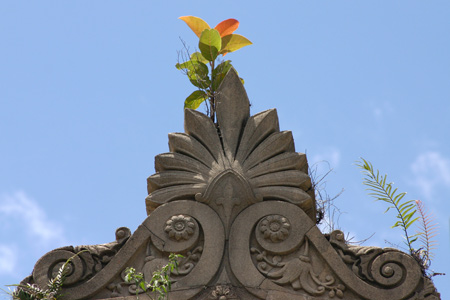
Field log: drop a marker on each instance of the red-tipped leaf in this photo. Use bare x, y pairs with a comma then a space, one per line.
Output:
227, 27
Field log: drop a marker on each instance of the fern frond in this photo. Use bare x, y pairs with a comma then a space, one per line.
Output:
28, 292
428, 230
378, 188
54, 285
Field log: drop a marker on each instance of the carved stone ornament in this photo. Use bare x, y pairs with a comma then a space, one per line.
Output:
235, 199
180, 227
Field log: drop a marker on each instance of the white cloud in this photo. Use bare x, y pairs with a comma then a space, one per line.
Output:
380, 109
332, 156
431, 170
8, 259
20, 207
377, 112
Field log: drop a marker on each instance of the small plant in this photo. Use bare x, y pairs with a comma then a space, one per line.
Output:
381, 190
53, 290
427, 231
160, 283
213, 42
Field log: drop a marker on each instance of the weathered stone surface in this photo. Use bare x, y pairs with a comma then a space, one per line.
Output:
235, 199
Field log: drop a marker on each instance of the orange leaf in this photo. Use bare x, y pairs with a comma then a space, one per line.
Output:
227, 27
196, 24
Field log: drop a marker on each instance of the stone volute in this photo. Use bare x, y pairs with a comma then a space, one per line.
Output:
235, 199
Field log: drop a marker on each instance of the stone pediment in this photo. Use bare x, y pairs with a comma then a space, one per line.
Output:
235, 199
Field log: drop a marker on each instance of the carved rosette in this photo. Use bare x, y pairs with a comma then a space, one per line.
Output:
274, 228
180, 227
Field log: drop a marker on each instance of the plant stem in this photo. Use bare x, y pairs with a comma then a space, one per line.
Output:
399, 215
212, 95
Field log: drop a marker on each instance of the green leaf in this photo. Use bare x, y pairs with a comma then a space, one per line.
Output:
195, 99
199, 75
405, 205
188, 65
210, 44
411, 222
414, 239
408, 209
398, 223
233, 42
219, 73
181, 66
197, 72
199, 57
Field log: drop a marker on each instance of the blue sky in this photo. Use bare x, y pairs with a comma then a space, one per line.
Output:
89, 92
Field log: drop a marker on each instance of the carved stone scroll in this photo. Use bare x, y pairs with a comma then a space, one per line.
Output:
235, 199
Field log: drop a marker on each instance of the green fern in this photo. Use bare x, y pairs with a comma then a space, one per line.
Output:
383, 191
54, 286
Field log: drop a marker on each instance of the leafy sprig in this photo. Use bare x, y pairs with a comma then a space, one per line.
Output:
213, 42
382, 190
54, 286
160, 282
406, 216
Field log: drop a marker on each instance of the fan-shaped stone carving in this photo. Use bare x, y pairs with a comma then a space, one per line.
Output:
235, 199
247, 157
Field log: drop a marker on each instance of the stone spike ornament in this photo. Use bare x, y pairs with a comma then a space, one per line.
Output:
243, 155
235, 199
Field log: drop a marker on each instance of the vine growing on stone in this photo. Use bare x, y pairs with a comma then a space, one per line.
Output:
213, 42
